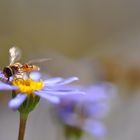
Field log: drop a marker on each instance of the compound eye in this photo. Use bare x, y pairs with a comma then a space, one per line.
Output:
7, 72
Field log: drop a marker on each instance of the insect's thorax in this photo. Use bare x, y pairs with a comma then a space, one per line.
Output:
16, 67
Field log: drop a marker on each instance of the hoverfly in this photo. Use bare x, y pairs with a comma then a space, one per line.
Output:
16, 69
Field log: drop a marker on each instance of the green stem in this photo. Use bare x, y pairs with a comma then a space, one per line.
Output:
22, 126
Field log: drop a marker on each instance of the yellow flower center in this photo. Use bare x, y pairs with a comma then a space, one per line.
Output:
27, 86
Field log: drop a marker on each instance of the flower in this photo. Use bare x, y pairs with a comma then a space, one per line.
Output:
51, 89
86, 112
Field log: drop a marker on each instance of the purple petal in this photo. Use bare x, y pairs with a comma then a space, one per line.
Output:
62, 91
98, 110
65, 93
52, 81
74, 98
17, 101
69, 118
2, 75
67, 81
56, 88
52, 99
95, 128
100, 92
5, 86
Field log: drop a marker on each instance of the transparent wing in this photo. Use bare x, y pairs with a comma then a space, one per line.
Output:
34, 61
15, 54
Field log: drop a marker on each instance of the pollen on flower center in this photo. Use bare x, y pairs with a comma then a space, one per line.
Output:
28, 85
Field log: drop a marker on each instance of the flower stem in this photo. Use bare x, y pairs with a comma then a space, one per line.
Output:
22, 126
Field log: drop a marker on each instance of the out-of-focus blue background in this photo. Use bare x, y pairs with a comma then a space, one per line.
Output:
95, 40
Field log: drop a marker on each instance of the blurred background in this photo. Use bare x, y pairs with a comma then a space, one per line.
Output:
94, 40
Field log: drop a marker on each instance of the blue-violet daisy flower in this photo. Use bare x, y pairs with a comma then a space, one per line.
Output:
50, 89
85, 112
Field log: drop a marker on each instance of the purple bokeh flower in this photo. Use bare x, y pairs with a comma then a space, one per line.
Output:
51, 89
86, 112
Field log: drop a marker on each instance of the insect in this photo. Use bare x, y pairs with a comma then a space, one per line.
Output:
16, 69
